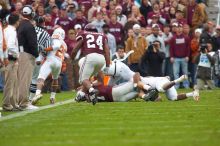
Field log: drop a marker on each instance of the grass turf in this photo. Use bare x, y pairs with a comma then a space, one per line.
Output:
117, 124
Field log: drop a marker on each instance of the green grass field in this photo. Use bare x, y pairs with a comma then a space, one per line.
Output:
135, 123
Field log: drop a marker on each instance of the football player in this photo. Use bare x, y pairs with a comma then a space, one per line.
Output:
119, 93
52, 64
120, 71
95, 52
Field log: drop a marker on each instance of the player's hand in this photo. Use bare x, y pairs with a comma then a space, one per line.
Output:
106, 70
172, 60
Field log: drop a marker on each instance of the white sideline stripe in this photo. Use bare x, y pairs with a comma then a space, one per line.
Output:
23, 113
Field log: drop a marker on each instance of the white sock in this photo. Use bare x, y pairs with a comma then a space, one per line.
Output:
91, 89
80, 93
31, 96
52, 94
38, 92
189, 94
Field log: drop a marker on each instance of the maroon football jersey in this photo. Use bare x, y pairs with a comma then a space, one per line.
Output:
93, 42
105, 91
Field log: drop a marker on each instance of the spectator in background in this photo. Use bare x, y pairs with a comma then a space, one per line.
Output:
180, 17
126, 7
49, 8
153, 59
167, 35
120, 54
172, 15
71, 8
145, 8
204, 71
111, 39
136, 15
137, 43
27, 39
156, 12
155, 36
116, 29
194, 51
18, 7
94, 7
216, 39
186, 30
49, 24
190, 9
54, 13
80, 19
121, 18
206, 36
217, 68
11, 94
63, 20
40, 10
199, 16
179, 54
98, 22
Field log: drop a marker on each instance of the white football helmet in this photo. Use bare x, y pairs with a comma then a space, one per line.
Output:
59, 31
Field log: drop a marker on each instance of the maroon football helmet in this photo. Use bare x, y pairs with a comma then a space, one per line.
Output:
90, 27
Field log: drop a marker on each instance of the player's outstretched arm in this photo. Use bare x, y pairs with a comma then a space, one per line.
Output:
76, 49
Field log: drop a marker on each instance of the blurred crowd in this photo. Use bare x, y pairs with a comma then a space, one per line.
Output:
169, 37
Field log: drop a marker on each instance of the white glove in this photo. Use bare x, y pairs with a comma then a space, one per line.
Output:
106, 70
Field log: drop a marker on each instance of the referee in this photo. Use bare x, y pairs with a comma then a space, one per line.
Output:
27, 40
43, 41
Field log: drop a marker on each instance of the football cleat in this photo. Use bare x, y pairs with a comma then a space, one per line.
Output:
151, 95
93, 96
196, 95
36, 99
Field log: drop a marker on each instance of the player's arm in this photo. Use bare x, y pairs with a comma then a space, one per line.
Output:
56, 44
76, 49
106, 54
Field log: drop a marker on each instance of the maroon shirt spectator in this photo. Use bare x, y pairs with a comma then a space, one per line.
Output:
190, 10
180, 17
80, 19
156, 12
127, 6
54, 13
179, 46
64, 21
49, 24
116, 29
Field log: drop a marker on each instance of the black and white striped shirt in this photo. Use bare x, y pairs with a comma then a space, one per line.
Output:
43, 38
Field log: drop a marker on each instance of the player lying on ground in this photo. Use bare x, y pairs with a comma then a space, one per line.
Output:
119, 93
52, 65
94, 48
119, 71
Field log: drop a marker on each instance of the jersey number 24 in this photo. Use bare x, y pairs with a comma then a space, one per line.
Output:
91, 42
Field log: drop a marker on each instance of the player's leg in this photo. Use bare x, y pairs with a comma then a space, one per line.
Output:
33, 86
56, 69
45, 70
170, 84
89, 66
121, 92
